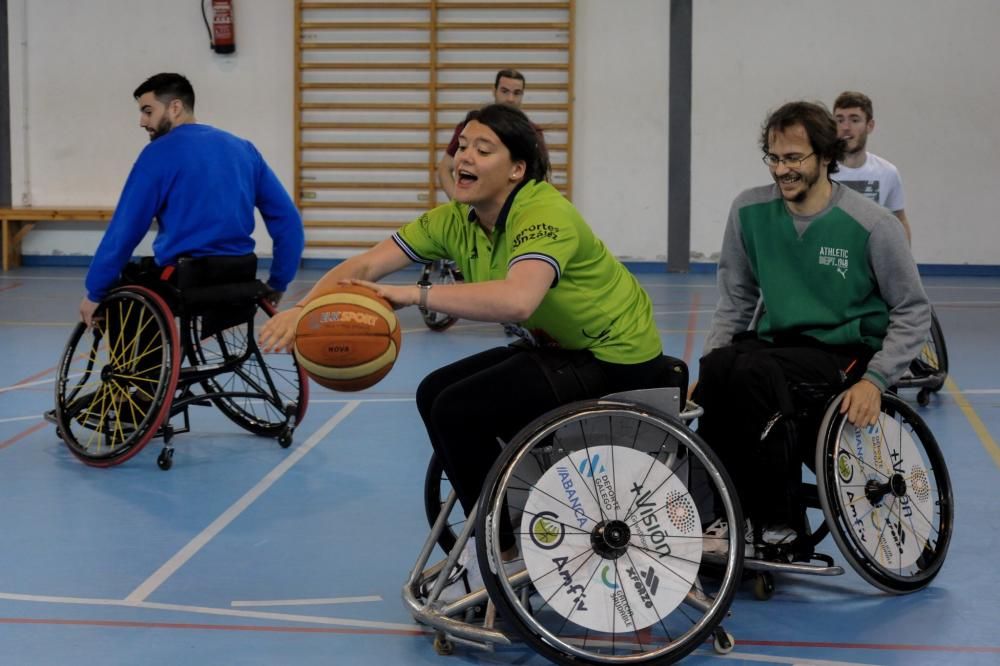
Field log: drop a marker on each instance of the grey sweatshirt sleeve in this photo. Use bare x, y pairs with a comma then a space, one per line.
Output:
738, 288
909, 309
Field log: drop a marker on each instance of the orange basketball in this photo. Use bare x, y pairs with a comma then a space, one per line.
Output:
347, 340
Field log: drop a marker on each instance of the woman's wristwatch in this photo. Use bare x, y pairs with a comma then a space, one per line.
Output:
425, 289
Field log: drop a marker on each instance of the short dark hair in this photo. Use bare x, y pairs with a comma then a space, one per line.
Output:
819, 125
510, 74
168, 86
517, 133
850, 99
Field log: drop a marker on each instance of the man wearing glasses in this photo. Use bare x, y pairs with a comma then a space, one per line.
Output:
841, 303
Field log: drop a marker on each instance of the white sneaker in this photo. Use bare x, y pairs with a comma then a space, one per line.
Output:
455, 588
715, 539
467, 577
463, 579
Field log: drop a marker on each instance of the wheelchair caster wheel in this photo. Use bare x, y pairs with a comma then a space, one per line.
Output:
923, 397
723, 641
165, 460
763, 586
443, 646
285, 438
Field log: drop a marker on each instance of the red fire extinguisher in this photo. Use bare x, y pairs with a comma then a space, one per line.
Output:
221, 33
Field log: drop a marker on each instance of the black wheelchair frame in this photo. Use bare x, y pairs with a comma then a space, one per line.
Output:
158, 348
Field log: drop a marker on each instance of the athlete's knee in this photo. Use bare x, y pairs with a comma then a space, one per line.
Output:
430, 390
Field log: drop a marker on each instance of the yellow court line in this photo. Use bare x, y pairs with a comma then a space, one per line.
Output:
977, 423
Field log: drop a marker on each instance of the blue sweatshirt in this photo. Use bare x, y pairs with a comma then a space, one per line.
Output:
202, 185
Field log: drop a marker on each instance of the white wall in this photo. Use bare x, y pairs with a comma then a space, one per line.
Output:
927, 65
76, 133
620, 123
930, 68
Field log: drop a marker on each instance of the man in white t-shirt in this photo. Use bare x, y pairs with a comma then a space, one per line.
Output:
875, 177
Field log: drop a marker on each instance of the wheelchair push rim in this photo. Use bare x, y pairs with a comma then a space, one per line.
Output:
107, 406
886, 495
597, 497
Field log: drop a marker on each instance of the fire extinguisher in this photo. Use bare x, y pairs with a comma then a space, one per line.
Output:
221, 32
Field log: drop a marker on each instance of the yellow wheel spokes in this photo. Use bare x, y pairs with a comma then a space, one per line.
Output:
117, 400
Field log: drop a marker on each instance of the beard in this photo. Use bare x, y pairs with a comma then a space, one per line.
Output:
859, 146
161, 129
807, 180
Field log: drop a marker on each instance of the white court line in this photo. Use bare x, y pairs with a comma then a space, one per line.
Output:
312, 401
15, 387
36, 417
306, 602
337, 400
187, 552
772, 659
208, 610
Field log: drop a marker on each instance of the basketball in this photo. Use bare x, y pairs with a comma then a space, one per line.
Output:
347, 340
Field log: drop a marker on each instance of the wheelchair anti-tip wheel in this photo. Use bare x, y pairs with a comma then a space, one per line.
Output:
439, 272
259, 390
606, 503
886, 495
116, 380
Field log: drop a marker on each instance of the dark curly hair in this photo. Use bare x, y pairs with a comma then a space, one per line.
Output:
819, 125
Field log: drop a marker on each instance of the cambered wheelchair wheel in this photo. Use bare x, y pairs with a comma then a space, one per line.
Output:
886, 495
929, 370
440, 272
606, 503
116, 380
436, 491
258, 391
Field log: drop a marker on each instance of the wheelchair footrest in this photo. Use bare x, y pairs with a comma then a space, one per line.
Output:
827, 568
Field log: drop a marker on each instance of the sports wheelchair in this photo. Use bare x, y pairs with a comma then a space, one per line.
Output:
607, 501
164, 341
928, 371
882, 493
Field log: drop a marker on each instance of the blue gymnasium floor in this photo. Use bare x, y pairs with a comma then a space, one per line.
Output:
246, 553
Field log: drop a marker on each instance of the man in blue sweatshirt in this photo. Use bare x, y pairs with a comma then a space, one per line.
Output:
202, 185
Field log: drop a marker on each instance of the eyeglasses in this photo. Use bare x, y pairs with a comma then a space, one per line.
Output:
772, 160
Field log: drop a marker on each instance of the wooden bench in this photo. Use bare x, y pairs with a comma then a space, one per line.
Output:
17, 222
